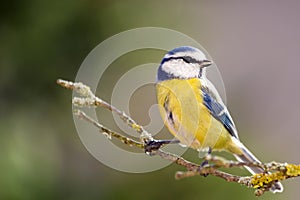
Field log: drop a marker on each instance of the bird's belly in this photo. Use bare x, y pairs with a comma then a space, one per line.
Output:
187, 118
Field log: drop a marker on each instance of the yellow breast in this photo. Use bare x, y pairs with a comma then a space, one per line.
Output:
187, 118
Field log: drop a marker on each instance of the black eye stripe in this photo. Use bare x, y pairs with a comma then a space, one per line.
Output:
187, 59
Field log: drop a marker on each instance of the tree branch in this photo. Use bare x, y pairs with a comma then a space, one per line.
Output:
261, 182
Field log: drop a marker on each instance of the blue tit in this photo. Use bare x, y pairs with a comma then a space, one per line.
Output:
194, 111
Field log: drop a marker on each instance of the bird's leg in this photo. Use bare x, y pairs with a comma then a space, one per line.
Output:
154, 145
205, 162
208, 153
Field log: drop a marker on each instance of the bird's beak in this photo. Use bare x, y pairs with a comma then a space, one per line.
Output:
206, 63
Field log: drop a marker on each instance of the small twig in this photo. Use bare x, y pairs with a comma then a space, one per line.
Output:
107, 132
261, 182
89, 99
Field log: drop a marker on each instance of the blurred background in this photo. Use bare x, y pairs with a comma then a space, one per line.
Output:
255, 45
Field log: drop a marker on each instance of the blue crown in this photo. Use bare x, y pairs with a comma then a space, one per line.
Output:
182, 49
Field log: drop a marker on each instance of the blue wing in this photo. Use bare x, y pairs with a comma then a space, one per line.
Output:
218, 110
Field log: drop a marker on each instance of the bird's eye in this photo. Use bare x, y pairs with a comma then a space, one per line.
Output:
189, 59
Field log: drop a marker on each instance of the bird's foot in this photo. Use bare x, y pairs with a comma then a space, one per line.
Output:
205, 162
154, 145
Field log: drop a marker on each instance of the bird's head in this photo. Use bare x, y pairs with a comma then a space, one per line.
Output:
182, 63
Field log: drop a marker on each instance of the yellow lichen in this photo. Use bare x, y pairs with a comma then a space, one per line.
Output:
260, 180
292, 170
264, 180
136, 127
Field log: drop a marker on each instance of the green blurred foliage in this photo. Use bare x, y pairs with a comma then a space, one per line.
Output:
41, 154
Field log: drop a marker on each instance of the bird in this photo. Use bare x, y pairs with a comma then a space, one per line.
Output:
192, 109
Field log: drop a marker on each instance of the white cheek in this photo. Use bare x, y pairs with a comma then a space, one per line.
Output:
181, 69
